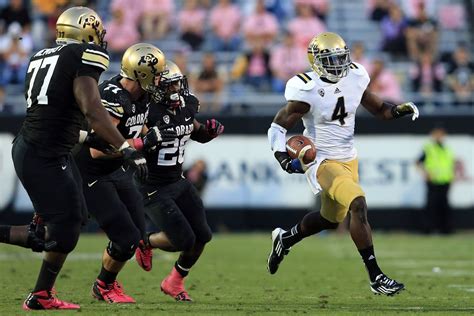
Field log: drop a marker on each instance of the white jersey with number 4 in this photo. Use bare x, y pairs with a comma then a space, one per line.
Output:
330, 121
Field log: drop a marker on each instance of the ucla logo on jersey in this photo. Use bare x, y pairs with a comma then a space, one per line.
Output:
166, 119
133, 108
321, 92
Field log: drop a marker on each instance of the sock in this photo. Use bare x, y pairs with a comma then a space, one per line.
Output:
292, 236
5, 234
370, 261
106, 276
47, 276
181, 270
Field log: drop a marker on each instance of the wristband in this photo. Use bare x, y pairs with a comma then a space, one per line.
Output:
82, 136
124, 145
138, 143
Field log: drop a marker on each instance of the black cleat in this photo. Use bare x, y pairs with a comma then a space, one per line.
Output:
278, 251
386, 286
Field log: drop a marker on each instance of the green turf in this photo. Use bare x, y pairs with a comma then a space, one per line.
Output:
322, 275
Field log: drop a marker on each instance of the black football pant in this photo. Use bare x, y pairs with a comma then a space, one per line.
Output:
54, 186
117, 205
178, 210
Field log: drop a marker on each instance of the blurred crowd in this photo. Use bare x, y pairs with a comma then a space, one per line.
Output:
246, 47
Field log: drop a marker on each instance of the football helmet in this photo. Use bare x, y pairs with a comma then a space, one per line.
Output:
145, 64
80, 25
173, 86
329, 56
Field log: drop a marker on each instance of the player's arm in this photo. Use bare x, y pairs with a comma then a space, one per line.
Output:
386, 110
205, 133
286, 119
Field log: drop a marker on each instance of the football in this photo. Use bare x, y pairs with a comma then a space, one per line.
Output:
294, 145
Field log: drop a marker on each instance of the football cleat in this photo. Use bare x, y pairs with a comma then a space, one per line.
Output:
173, 285
386, 286
111, 293
144, 256
46, 300
278, 251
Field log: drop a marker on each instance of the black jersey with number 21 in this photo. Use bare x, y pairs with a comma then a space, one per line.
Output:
53, 118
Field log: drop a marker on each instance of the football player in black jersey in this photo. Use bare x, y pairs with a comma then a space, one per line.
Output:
60, 90
111, 194
171, 201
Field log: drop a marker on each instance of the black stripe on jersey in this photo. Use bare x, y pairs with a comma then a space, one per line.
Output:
115, 109
306, 76
302, 78
353, 66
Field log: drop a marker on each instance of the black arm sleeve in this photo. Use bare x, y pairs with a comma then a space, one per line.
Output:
201, 135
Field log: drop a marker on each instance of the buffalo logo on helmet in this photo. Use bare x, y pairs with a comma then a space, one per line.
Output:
150, 60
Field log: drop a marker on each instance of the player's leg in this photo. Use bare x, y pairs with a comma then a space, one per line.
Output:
113, 217
30, 236
53, 189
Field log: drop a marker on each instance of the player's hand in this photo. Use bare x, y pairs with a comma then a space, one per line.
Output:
288, 164
406, 108
135, 160
214, 128
36, 236
167, 133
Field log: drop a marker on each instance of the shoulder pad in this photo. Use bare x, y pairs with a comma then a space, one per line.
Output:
302, 81
114, 99
95, 55
357, 69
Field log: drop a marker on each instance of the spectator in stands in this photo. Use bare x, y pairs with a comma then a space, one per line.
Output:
43, 28
261, 25
427, 77
286, 60
157, 15
422, 33
305, 25
437, 164
197, 175
121, 34
379, 9
383, 82
16, 12
358, 55
320, 7
132, 12
461, 77
209, 84
180, 58
253, 68
15, 52
191, 21
393, 29
282, 9
225, 20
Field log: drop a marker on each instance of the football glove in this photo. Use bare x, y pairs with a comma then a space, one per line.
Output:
406, 108
95, 141
214, 128
288, 164
36, 236
135, 160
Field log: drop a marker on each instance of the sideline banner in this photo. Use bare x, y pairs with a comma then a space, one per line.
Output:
243, 172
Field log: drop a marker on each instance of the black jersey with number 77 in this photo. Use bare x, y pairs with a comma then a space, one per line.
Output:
53, 118
165, 164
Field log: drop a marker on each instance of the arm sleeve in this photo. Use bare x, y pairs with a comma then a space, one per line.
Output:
114, 102
277, 137
201, 135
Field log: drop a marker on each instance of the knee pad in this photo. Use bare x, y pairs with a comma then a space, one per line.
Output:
204, 236
121, 253
184, 242
65, 236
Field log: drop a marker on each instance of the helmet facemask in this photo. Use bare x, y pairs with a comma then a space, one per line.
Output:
332, 65
172, 91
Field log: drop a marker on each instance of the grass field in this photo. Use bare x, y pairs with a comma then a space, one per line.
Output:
322, 275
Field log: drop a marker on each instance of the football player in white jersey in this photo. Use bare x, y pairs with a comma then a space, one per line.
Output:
326, 99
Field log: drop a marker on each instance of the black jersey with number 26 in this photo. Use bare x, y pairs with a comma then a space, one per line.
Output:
53, 118
165, 165
131, 115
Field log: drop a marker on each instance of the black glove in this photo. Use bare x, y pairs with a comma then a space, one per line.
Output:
95, 141
36, 236
158, 134
214, 127
135, 160
286, 162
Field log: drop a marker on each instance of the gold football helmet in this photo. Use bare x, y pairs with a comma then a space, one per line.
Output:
80, 25
329, 56
145, 64
173, 86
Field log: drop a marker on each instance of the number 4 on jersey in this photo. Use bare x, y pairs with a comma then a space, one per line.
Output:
339, 111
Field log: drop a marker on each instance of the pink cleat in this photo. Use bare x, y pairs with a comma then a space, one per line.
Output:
46, 300
111, 293
173, 285
144, 256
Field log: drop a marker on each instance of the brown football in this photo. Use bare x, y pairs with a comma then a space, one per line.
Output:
294, 145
